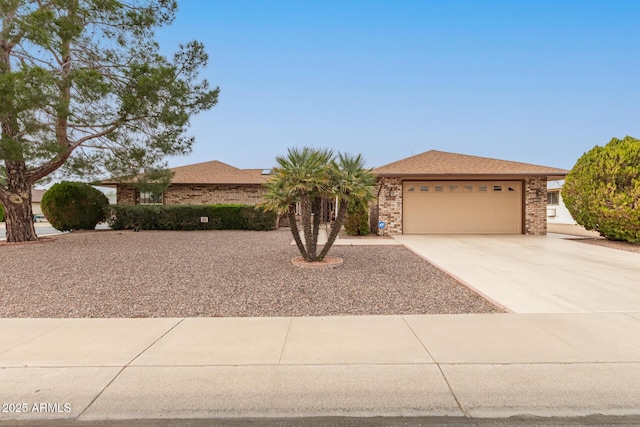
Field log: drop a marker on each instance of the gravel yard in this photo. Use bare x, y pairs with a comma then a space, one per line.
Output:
217, 273
623, 246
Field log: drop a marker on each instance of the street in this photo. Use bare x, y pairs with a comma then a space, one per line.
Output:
44, 229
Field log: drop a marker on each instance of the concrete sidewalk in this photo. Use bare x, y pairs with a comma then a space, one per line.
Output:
460, 366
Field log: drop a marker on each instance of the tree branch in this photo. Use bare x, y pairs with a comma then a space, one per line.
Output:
52, 165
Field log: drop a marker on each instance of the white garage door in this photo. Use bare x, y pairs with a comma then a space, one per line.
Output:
462, 207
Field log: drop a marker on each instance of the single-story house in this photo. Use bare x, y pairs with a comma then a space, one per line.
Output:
557, 212
211, 182
430, 193
36, 200
437, 192
559, 219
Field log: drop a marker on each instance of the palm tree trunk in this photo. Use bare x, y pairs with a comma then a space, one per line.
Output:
305, 206
342, 213
317, 218
291, 214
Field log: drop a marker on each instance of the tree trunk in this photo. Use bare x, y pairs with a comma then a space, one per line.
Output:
305, 207
342, 213
16, 195
17, 206
317, 217
291, 214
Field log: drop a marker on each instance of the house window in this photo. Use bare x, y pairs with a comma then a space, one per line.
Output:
424, 188
411, 189
439, 188
453, 188
497, 188
553, 198
482, 188
150, 198
468, 188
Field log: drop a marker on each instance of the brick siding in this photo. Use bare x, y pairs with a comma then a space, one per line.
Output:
390, 204
535, 205
126, 195
200, 194
213, 194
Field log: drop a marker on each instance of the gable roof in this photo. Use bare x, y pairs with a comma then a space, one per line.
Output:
213, 172
435, 162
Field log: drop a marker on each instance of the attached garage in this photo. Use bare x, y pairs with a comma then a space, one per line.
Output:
462, 207
447, 193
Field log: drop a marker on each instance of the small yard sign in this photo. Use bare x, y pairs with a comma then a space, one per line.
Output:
381, 225
204, 219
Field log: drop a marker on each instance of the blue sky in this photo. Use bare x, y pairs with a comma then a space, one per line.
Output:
532, 81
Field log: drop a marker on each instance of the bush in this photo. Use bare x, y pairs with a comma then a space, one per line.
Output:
187, 217
74, 206
602, 191
1, 213
357, 221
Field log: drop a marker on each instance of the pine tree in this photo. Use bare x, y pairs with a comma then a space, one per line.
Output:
85, 92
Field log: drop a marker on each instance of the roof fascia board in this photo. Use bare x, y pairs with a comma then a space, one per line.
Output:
469, 176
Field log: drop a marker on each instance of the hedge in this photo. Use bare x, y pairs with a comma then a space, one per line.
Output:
1, 213
187, 217
357, 221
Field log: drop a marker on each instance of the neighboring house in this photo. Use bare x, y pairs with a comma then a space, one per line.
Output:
557, 212
446, 193
211, 182
559, 219
36, 200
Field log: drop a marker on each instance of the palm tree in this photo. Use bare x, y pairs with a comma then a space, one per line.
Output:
351, 182
303, 175
306, 176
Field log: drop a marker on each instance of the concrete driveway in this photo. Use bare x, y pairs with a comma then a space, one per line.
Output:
537, 274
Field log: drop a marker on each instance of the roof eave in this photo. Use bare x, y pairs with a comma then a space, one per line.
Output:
555, 175
215, 183
115, 184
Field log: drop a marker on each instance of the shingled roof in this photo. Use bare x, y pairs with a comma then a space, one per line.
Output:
213, 172
435, 162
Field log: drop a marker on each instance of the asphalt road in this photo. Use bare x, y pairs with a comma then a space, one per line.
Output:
43, 229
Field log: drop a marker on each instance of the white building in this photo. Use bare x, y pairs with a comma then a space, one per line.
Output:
559, 219
557, 212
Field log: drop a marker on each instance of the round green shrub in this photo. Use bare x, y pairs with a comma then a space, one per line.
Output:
602, 191
74, 206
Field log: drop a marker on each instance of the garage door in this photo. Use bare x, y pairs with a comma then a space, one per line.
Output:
462, 207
